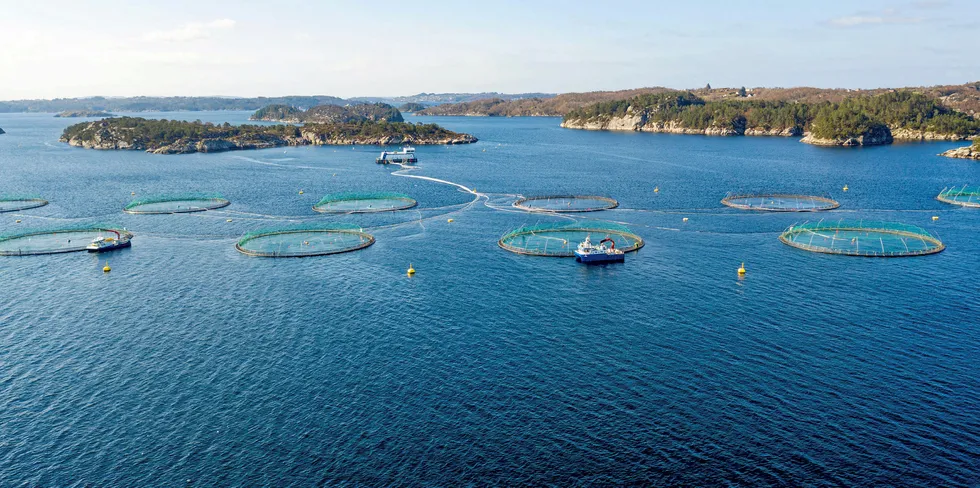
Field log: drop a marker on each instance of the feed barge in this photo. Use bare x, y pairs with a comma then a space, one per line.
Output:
406, 155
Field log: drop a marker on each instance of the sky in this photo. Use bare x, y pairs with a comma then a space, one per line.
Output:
55, 48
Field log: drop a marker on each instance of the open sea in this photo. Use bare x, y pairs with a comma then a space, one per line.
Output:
191, 364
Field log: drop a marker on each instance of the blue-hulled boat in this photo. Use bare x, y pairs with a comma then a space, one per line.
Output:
592, 254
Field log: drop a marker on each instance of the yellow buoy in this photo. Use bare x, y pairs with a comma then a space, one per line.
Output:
845, 188
106, 268
411, 270
301, 192
449, 220
741, 269
685, 219
935, 217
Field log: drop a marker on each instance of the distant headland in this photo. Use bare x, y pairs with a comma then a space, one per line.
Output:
84, 113
180, 137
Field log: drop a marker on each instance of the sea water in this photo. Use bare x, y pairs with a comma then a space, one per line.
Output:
193, 364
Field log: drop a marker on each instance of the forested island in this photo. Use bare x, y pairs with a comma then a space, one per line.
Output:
181, 137
412, 107
84, 113
861, 120
329, 114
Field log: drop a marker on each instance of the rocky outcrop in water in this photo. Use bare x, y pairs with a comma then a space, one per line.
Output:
968, 152
873, 137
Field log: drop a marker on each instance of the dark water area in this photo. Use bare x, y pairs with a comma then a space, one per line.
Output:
192, 364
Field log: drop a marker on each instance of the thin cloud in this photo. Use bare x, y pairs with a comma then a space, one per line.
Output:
190, 31
860, 20
931, 4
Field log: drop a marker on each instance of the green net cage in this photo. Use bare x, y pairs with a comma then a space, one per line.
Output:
355, 202
565, 203
780, 202
965, 196
14, 203
304, 240
561, 239
57, 240
862, 238
176, 203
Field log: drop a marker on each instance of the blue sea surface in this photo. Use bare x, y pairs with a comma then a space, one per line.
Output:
191, 364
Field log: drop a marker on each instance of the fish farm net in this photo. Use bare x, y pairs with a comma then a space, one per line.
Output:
302, 241
55, 241
965, 196
14, 203
364, 203
566, 203
172, 204
862, 238
561, 239
778, 202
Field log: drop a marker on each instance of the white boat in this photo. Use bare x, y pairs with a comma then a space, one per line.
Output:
103, 243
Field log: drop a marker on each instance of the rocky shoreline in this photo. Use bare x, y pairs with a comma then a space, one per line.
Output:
639, 123
968, 152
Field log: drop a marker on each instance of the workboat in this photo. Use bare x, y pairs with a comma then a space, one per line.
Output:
406, 155
109, 243
590, 253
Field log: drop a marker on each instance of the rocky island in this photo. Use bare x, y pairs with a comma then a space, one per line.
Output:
84, 113
181, 137
412, 107
866, 120
329, 114
968, 152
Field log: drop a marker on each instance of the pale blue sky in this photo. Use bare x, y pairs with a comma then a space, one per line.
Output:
74, 48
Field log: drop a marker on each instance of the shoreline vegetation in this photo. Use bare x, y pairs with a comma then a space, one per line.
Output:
329, 114
181, 137
855, 121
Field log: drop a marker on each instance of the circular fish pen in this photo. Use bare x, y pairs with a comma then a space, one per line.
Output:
13, 203
561, 239
310, 240
964, 197
174, 204
565, 203
55, 241
780, 202
862, 238
351, 202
